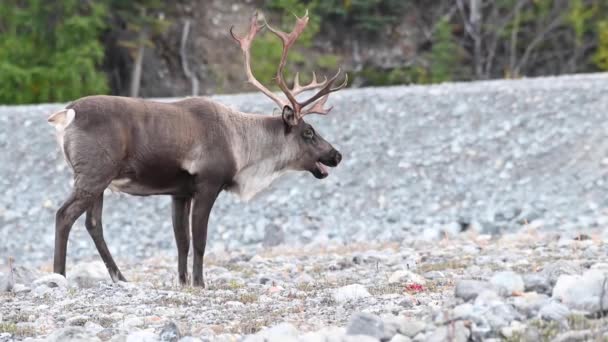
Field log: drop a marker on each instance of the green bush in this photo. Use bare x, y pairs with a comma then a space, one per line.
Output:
50, 50
444, 54
600, 58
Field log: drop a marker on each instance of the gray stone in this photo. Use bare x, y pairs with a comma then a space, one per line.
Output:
281, 332
363, 323
273, 236
400, 338
411, 327
350, 292
537, 283
20, 288
458, 332
190, 339
553, 270
405, 276
469, 289
554, 311
170, 333
303, 278
515, 329
587, 292
93, 327
72, 334
78, 321
51, 280
530, 303
142, 336
88, 274
507, 282
6, 282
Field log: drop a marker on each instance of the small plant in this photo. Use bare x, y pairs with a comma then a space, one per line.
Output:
17, 331
248, 298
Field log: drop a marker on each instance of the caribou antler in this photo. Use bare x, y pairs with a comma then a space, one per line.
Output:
245, 44
288, 39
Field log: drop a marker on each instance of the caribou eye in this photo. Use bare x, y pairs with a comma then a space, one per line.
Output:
308, 133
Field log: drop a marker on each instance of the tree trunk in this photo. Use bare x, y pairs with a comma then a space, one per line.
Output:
183, 54
139, 58
475, 20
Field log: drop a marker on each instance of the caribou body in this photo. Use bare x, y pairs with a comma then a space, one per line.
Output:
190, 149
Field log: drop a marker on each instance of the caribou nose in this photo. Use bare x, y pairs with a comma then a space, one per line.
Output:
337, 157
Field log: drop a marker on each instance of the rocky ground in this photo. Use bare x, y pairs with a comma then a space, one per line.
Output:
487, 156
526, 286
460, 212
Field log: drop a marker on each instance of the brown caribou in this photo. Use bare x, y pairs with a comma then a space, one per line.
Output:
190, 149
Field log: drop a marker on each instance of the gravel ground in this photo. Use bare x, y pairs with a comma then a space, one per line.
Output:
526, 286
424, 160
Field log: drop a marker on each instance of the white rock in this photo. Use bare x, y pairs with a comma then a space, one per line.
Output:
405, 276
142, 336
582, 292
41, 290
516, 328
132, 322
51, 280
93, 327
190, 339
20, 288
508, 282
304, 278
327, 334
281, 332
72, 334
359, 338
554, 311
350, 292
470, 289
400, 338
88, 274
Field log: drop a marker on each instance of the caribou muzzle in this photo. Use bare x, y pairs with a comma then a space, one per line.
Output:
331, 159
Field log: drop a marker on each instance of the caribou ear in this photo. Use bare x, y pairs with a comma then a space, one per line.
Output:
289, 116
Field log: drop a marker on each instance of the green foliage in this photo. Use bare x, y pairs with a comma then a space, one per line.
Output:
405, 75
600, 58
267, 48
365, 17
328, 61
49, 51
141, 20
579, 18
444, 54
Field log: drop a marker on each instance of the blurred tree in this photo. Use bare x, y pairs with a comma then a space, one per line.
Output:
143, 19
600, 58
444, 53
49, 50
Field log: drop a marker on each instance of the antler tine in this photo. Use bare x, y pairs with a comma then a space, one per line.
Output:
327, 89
297, 88
288, 39
245, 44
317, 107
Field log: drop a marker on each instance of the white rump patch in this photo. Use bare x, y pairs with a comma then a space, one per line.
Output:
61, 120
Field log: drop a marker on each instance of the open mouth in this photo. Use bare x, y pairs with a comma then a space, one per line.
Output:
320, 170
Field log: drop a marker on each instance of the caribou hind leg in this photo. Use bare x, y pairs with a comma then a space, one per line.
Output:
76, 204
95, 229
181, 228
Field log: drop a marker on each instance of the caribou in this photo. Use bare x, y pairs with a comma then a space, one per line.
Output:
190, 149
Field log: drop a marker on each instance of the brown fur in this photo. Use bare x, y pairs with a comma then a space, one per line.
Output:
190, 149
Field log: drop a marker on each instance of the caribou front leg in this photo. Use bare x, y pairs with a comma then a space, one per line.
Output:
181, 227
202, 203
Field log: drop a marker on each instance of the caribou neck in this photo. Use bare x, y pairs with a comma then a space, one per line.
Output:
260, 139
